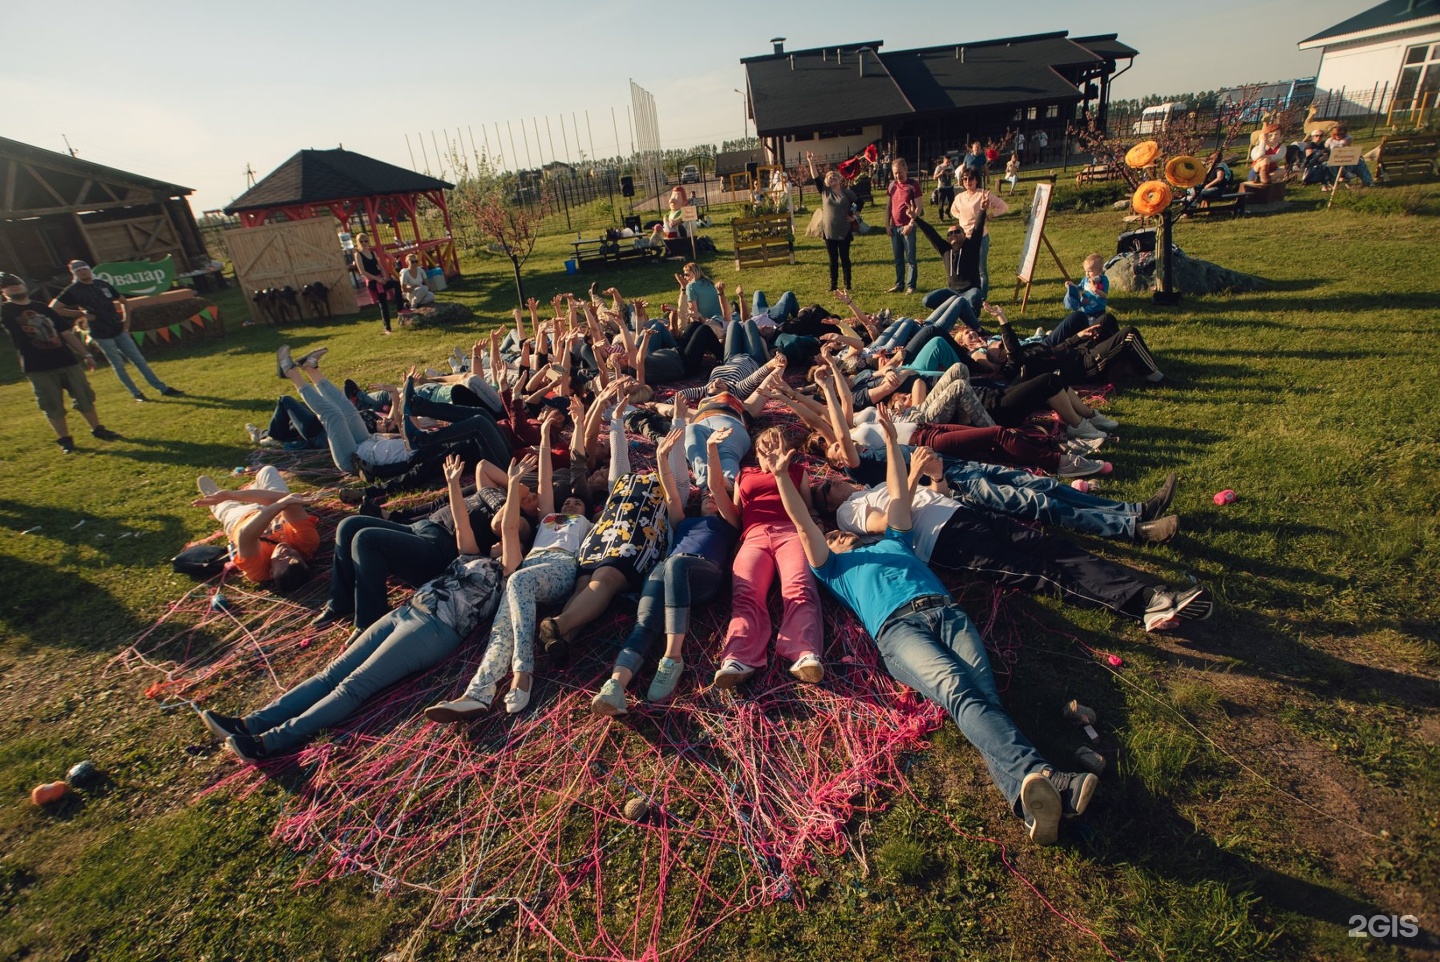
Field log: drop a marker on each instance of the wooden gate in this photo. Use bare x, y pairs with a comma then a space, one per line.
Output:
292, 255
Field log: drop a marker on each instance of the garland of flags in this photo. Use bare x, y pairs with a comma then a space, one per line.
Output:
205, 316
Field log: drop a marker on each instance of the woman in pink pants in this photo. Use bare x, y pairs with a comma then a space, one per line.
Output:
768, 542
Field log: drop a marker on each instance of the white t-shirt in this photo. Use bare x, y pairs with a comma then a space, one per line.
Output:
377, 450
928, 514
867, 431
561, 532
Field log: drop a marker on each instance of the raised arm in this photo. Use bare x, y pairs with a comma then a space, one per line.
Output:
674, 503
545, 489
726, 503
812, 539
932, 235
839, 426
511, 552
897, 478
465, 541
247, 538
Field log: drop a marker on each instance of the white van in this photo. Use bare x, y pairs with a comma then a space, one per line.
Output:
1157, 118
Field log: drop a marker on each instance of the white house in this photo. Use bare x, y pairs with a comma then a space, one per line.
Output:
1388, 56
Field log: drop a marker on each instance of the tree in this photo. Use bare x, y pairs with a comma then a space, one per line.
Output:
513, 228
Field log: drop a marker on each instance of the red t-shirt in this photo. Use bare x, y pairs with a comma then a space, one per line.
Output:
760, 497
900, 196
303, 537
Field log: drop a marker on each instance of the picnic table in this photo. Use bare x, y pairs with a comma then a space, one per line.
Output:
600, 253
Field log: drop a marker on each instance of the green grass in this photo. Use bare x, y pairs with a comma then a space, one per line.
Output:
1311, 693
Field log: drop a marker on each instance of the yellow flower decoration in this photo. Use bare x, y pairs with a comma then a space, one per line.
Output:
1143, 154
1151, 197
1185, 171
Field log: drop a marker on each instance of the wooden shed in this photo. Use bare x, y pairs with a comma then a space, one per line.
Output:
362, 194
54, 207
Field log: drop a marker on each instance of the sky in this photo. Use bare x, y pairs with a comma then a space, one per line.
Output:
196, 93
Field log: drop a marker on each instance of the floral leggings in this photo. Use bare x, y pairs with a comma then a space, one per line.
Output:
545, 578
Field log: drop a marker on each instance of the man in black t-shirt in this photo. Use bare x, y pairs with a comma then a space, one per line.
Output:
109, 319
50, 358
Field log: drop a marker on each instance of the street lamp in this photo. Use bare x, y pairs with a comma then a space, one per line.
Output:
744, 116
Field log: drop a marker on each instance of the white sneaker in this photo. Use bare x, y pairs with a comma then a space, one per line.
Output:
207, 485
1085, 430
731, 673
667, 676
255, 434
808, 668
1103, 423
1075, 466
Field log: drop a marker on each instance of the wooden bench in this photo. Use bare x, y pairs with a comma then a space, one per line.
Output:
1224, 204
1051, 177
764, 240
1097, 173
1407, 157
600, 254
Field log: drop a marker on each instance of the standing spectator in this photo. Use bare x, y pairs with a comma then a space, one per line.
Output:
1041, 142
50, 358
944, 187
836, 202
1019, 147
381, 286
900, 225
974, 160
109, 321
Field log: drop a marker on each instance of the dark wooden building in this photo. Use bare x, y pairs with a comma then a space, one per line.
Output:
833, 101
54, 207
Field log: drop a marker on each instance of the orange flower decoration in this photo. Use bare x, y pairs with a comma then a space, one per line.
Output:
1151, 198
1185, 171
1142, 155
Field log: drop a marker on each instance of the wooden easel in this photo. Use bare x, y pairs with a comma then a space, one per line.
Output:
1030, 247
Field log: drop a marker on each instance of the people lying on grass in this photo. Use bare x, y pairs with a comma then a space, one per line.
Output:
627, 541
768, 543
354, 449
272, 536
953, 536
938, 422
691, 574
1010, 491
1099, 353
546, 577
414, 637
928, 643
414, 547
1091, 294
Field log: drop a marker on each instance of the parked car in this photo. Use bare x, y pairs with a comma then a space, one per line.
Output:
1155, 119
690, 175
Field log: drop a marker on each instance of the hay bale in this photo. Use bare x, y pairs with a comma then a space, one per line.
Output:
1136, 272
440, 314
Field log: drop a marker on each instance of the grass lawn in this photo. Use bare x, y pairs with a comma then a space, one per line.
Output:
1280, 765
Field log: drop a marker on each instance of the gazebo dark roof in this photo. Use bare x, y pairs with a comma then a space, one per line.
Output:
1391, 13
317, 176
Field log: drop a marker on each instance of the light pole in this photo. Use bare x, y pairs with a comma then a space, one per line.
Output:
744, 116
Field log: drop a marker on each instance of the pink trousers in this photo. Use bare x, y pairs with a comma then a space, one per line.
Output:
763, 549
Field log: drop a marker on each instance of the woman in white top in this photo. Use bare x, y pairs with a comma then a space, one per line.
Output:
546, 577
412, 283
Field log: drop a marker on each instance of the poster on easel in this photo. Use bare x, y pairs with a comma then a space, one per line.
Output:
1030, 247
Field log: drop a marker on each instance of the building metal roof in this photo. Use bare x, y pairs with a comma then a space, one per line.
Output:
1380, 19
64, 163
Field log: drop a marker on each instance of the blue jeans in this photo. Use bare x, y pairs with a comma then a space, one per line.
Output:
1074, 323
947, 307
780, 312
903, 247
403, 643
732, 449
743, 337
1030, 497
939, 653
985, 267
678, 582
369, 550
345, 430
293, 421
662, 336
898, 334
120, 349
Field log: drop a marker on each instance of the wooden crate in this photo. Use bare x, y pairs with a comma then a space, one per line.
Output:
292, 254
764, 240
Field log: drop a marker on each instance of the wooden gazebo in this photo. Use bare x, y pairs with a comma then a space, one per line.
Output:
363, 194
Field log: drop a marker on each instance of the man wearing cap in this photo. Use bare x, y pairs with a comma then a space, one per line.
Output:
109, 321
50, 357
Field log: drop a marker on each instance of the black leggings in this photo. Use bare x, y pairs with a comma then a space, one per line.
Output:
1010, 406
383, 295
839, 251
695, 343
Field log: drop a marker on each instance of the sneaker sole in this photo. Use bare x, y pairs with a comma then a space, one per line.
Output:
605, 709
1040, 800
215, 727
1087, 792
235, 750
1197, 608
448, 716
730, 679
810, 674
1166, 622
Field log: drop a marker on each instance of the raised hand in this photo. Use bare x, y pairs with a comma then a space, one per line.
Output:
716, 437
532, 303
454, 468
887, 424
668, 442
520, 467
